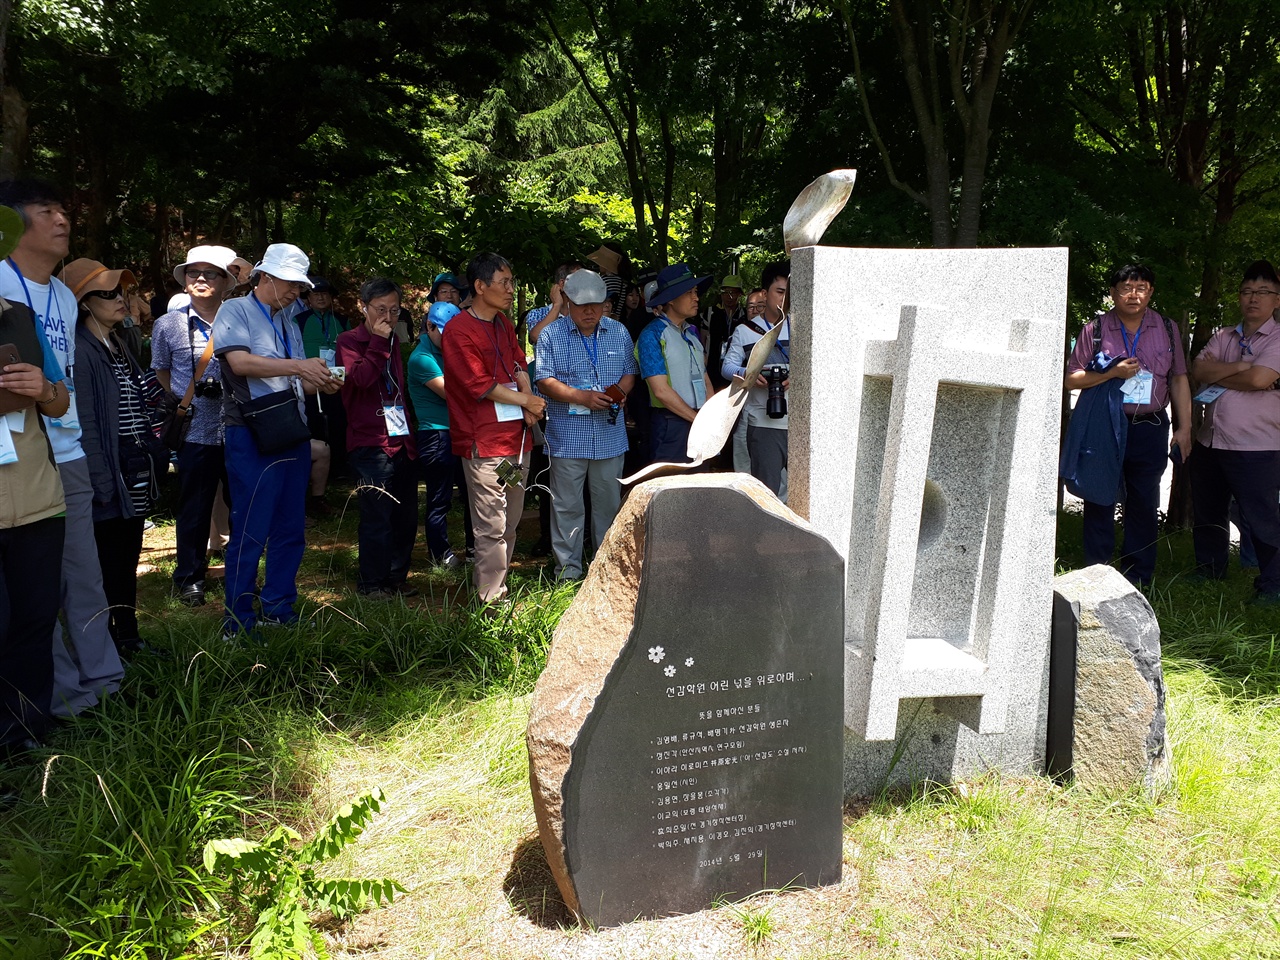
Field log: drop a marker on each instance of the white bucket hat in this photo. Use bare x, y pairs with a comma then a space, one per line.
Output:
220, 257
284, 261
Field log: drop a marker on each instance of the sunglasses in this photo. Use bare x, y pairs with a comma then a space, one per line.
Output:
106, 294
210, 274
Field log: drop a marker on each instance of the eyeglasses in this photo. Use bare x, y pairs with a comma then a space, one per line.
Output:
382, 311
1127, 289
1256, 294
212, 273
106, 294
507, 284
755, 305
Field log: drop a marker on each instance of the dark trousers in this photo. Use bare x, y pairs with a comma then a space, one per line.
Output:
119, 547
1253, 478
201, 467
1146, 455
268, 514
440, 470
669, 436
30, 594
388, 515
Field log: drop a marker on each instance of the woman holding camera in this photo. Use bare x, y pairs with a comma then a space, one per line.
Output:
116, 399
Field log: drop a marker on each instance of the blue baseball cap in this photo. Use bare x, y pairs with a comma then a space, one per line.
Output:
441, 313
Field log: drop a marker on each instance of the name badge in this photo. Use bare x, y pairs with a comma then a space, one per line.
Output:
1138, 388
506, 412
70, 419
397, 423
330, 357
699, 393
1209, 394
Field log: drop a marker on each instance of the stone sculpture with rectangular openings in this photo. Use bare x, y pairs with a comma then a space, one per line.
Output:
924, 430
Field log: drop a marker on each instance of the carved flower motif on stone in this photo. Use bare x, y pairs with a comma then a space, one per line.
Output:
656, 654
669, 670
688, 661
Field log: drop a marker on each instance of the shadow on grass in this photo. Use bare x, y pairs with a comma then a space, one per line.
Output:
531, 889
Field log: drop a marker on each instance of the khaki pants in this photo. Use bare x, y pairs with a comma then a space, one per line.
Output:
495, 514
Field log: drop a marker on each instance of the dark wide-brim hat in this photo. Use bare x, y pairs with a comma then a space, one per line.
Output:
675, 280
448, 278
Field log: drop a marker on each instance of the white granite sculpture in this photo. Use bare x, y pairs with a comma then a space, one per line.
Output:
924, 432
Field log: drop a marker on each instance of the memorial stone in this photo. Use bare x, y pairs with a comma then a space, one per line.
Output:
925, 404
685, 738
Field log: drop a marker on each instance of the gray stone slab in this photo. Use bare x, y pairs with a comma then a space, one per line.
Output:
924, 421
1119, 736
685, 738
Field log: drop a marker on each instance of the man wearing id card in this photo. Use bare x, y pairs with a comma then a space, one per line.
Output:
585, 368
1135, 344
673, 363
380, 446
492, 407
1237, 452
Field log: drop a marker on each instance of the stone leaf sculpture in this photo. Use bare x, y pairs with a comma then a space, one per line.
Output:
805, 222
684, 740
817, 205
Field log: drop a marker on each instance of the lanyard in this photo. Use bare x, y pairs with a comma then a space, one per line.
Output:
282, 333
694, 366
393, 387
1131, 351
592, 349
497, 350
48, 309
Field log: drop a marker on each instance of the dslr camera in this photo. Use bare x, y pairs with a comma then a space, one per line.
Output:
776, 405
209, 387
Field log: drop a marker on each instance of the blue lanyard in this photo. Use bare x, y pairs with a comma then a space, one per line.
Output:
693, 354
592, 349
48, 311
1131, 351
283, 334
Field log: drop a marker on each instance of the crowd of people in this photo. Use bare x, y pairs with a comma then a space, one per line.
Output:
255, 390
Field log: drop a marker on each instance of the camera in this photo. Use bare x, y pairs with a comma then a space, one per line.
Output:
509, 474
776, 406
209, 387
338, 373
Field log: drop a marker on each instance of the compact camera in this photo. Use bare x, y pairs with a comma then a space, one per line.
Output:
776, 405
338, 373
509, 474
209, 387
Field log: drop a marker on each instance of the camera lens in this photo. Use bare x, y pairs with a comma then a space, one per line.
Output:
776, 406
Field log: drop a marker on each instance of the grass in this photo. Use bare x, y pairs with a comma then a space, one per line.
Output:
429, 703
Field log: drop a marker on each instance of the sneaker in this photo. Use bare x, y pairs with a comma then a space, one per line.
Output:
404, 590
471, 556
288, 620
451, 562
192, 595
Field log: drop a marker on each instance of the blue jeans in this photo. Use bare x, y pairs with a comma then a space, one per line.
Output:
388, 515
268, 513
1146, 456
441, 470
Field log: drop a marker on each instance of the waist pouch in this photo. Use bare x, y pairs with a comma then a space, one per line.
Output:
274, 422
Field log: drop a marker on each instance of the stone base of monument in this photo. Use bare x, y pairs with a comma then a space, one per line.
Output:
1109, 731
685, 738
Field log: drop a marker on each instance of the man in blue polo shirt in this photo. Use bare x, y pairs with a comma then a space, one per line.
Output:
264, 366
579, 357
673, 364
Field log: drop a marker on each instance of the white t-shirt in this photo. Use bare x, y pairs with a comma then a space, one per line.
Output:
55, 307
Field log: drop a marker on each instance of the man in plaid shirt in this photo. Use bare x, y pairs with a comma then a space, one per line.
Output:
579, 358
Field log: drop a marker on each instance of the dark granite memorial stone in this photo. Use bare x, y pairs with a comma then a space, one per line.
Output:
710, 764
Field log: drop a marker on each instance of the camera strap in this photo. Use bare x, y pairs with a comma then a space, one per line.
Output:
196, 374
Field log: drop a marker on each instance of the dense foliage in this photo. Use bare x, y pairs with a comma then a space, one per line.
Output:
401, 138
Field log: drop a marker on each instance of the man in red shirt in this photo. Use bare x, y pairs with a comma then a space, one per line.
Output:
380, 446
492, 408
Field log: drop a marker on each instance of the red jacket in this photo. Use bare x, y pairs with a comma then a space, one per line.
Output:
478, 355
375, 378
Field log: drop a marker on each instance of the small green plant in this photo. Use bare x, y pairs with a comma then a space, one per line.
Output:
277, 881
757, 924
